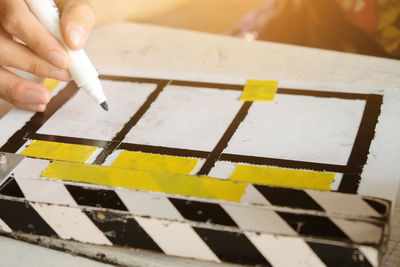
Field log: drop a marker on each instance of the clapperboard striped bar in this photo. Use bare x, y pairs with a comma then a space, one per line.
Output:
269, 226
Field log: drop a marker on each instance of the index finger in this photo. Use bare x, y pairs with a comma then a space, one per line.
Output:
17, 20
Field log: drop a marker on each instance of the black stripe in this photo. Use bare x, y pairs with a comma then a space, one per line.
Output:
284, 163
179, 152
202, 212
379, 207
132, 79
316, 226
288, 197
20, 216
325, 94
359, 154
223, 142
339, 256
122, 231
129, 125
11, 188
285, 91
18, 140
96, 197
232, 247
67, 139
220, 86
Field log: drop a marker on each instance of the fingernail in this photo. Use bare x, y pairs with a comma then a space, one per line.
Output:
78, 34
35, 97
36, 108
41, 108
61, 75
58, 59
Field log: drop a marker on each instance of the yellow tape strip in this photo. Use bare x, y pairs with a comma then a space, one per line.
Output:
283, 177
154, 162
50, 84
256, 90
59, 151
204, 187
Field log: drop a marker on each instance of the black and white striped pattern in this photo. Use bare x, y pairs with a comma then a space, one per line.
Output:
198, 228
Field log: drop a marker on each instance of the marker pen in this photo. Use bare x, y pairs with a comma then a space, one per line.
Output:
81, 69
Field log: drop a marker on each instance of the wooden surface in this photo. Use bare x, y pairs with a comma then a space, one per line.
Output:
142, 50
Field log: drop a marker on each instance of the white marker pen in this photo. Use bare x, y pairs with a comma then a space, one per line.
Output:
81, 69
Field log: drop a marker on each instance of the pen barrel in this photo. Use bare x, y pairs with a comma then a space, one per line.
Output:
81, 69
85, 75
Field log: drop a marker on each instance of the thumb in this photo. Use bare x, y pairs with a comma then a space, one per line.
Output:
77, 20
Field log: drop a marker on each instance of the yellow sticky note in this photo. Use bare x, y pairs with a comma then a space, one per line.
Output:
154, 162
203, 187
59, 151
256, 90
283, 177
50, 84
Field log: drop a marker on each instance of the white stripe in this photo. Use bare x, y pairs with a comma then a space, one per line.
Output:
45, 191
66, 222
253, 196
342, 203
371, 254
4, 227
177, 239
258, 219
285, 251
142, 203
71, 223
360, 232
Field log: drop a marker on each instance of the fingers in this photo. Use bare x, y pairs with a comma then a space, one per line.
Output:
77, 20
20, 57
23, 93
18, 21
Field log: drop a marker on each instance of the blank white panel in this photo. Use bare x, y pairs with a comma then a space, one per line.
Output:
300, 128
84, 118
187, 117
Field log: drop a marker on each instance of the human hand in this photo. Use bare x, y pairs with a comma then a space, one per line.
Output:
39, 53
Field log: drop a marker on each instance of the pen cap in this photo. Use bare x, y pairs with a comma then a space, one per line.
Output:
47, 13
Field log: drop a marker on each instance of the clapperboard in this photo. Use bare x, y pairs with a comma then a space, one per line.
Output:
181, 175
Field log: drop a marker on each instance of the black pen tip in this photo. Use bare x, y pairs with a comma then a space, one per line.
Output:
104, 105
